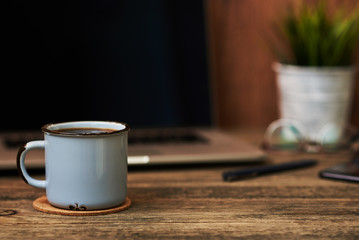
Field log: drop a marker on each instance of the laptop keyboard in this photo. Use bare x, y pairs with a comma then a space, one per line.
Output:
16, 140
165, 137
134, 138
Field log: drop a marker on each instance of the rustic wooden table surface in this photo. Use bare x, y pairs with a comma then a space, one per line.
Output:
194, 203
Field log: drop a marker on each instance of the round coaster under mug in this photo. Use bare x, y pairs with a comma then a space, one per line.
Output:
42, 204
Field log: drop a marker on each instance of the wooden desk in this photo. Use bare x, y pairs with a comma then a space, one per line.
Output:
194, 203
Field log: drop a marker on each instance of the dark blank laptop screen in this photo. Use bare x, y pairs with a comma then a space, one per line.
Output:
136, 61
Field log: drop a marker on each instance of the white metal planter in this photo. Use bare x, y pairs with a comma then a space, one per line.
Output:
319, 98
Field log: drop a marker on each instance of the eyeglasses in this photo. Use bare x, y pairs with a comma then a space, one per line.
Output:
290, 135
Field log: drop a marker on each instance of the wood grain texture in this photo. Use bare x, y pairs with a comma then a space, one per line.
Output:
194, 203
241, 61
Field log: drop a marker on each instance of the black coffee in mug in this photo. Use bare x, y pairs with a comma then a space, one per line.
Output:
85, 130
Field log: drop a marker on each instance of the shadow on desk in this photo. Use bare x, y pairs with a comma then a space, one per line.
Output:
164, 167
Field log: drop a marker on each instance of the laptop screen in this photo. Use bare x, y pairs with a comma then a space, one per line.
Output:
135, 61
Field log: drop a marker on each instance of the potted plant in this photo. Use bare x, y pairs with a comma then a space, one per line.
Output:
315, 72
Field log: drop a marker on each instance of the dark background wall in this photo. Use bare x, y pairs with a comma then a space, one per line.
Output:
122, 60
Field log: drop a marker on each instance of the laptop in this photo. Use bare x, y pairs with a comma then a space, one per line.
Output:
135, 61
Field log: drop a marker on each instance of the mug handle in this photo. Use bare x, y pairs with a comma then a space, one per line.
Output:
20, 161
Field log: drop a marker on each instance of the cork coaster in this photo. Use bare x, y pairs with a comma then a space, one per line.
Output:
41, 204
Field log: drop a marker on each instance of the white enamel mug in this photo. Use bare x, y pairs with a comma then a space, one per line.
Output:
85, 170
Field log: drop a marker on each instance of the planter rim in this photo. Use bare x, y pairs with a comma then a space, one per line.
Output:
289, 68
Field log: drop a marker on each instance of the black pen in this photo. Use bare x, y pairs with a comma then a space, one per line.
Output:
255, 171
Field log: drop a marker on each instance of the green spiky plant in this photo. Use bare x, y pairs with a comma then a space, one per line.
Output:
315, 38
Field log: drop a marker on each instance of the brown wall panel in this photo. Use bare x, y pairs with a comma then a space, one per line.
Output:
241, 61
